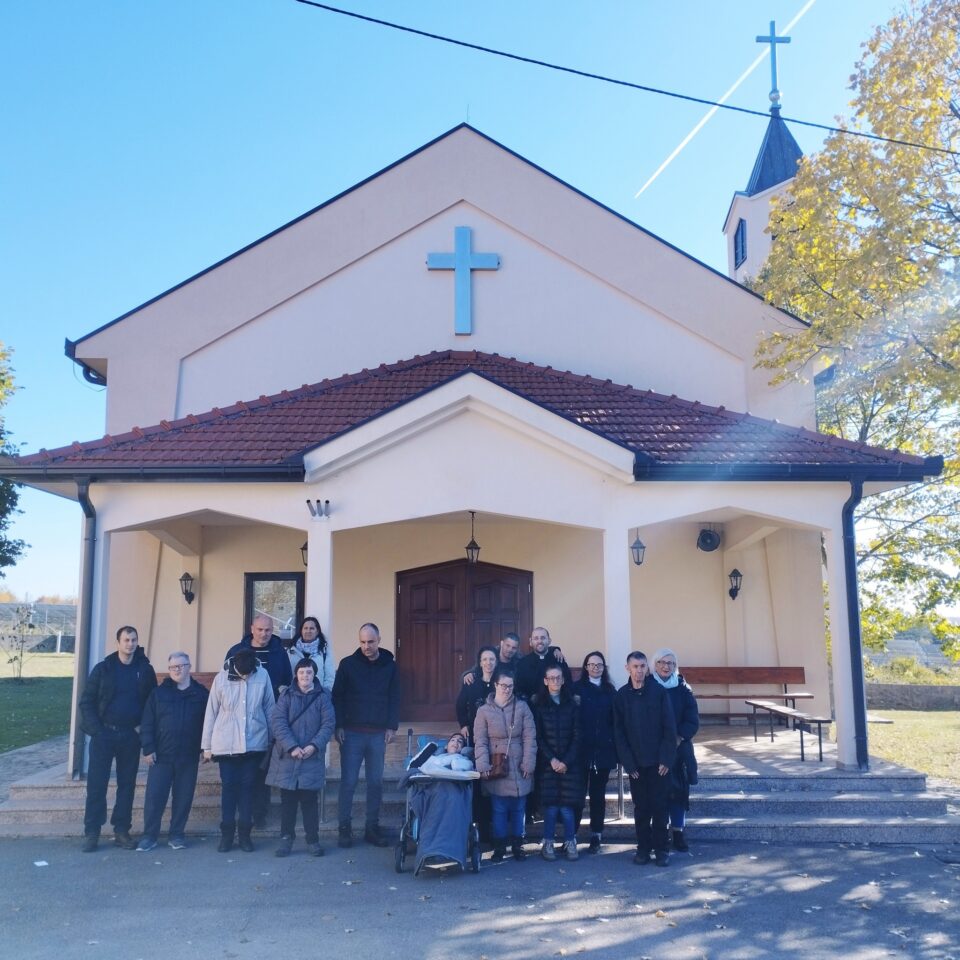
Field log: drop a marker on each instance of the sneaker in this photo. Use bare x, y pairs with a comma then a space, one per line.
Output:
314, 849
177, 843
641, 858
123, 840
374, 837
146, 844
570, 850
547, 850
662, 858
90, 842
345, 836
286, 845
595, 843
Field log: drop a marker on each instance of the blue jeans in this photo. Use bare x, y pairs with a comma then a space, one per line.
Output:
238, 778
124, 747
368, 749
550, 823
508, 816
181, 775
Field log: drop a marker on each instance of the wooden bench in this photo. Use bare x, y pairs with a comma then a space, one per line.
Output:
789, 714
754, 676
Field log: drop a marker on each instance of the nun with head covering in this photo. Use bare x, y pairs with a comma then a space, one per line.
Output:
666, 671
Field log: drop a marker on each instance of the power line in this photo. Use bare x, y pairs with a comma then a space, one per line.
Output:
623, 83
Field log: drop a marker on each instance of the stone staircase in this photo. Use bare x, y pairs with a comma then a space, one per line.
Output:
747, 791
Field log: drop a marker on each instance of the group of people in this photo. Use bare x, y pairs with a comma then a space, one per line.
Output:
545, 743
541, 742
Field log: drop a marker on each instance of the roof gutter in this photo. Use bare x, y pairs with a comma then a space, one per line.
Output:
645, 470
89, 374
853, 623
25, 473
82, 657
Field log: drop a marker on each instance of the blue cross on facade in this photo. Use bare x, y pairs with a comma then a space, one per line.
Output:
773, 40
462, 262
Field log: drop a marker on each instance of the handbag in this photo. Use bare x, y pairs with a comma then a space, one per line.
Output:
500, 762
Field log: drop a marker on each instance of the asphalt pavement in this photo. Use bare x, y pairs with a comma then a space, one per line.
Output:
722, 900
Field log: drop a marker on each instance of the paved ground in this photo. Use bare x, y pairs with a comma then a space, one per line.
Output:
17, 764
723, 900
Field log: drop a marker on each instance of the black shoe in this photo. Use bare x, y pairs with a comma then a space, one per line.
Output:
595, 843
374, 837
641, 858
345, 837
516, 848
286, 845
314, 849
260, 821
90, 842
679, 842
243, 840
227, 833
499, 851
123, 840
662, 858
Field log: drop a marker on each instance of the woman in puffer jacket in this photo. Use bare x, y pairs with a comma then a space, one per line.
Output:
505, 724
236, 735
302, 724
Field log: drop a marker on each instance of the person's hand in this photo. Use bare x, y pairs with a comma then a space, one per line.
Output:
297, 753
207, 756
558, 654
340, 735
308, 751
389, 737
663, 770
469, 678
558, 766
525, 773
150, 759
635, 775
465, 732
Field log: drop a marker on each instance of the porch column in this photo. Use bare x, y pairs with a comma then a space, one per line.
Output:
844, 677
319, 590
616, 597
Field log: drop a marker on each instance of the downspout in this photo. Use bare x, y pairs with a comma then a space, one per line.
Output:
82, 649
853, 624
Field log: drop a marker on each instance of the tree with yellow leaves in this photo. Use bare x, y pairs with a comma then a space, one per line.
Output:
10, 549
867, 250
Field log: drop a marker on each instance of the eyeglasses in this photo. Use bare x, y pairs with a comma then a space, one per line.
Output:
505, 686
178, 666
554, 679
595, 663
666, 663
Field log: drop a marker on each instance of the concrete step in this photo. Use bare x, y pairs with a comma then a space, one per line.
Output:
827, 779
882, 830
818, 803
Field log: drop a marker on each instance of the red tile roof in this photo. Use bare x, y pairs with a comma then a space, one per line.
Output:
668, 436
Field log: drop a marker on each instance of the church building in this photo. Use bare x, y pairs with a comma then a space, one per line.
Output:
463, 347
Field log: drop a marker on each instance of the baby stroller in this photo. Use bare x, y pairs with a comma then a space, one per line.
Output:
437, 826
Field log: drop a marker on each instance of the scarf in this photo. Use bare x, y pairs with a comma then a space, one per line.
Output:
308, 649
670, 682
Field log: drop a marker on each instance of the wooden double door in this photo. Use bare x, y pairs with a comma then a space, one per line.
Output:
445, 613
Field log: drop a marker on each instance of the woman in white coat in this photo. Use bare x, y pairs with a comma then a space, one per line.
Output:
312, 644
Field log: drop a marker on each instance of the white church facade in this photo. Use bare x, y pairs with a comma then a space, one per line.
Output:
309, 424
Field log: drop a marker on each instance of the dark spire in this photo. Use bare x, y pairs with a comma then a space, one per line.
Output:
778, 157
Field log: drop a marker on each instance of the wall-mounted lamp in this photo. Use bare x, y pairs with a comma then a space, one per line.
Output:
736, 579
472, 548
186, 587
303, 552
638, 548
318, 508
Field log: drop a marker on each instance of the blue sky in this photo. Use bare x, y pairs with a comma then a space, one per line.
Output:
147, 140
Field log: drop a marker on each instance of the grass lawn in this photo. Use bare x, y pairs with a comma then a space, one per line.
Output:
39, 707
928, 741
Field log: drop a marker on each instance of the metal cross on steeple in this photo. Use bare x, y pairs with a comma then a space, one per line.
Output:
773, 40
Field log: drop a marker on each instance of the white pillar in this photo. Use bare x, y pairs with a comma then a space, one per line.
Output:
616, 598
843, 677
319, 590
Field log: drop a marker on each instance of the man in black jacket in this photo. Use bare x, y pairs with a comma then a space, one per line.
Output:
646, 735
111, 707
366, 700
532, 668
170, 735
